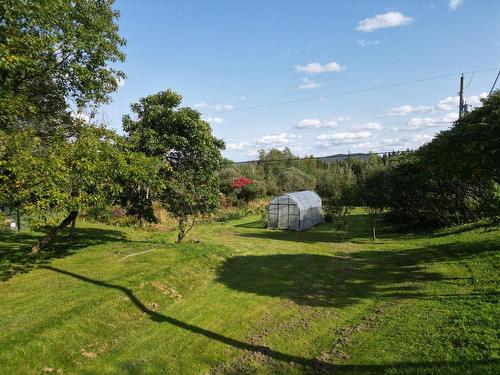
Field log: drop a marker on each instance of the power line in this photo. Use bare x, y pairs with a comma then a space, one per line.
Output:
347, 126
494, 83
470, 80
350, 92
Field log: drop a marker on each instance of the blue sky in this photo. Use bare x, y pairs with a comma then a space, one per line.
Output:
238, 62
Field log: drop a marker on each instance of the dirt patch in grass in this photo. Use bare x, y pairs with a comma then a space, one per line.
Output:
339, 350
166, 290
250, 360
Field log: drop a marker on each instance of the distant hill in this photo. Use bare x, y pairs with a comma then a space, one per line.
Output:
336, 157
327, 159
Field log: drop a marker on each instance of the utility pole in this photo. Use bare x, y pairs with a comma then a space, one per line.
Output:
461, 93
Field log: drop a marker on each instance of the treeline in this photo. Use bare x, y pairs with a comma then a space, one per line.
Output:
454, 179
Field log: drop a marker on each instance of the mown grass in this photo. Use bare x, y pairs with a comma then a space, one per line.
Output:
243, 299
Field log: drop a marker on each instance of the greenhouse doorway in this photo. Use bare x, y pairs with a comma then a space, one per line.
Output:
295, 211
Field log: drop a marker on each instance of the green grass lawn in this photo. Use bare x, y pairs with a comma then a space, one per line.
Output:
246, 300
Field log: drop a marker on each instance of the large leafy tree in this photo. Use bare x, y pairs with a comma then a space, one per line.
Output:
274, 161
140, 182
293, 179
455, 178
470, 150
335, 186
54, 182
54, 53
160, 127
56, 57
373, 188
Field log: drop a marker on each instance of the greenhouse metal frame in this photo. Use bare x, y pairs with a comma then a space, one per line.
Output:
295, 211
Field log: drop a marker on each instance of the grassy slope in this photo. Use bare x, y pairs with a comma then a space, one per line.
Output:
249, 300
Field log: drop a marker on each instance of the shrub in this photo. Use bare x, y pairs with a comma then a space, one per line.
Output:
240, 182
252, 191
272, 187
294, 179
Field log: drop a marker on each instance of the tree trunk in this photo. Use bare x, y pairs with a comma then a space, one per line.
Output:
372, 221
72, 231
44, 241
183, 230
181, 233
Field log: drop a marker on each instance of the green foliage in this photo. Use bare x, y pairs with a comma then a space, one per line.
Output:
226, 176
87, 172
252, 191
191, 155
273, 186
336, 187
52, 53
454, 178
34, 176
372, 189
141, 183
470, 150
293, 179
274, 161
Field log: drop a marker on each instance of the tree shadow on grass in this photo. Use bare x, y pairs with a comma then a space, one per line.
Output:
256, 224
161, 318
357, 227
344, 280
15, 248
487, 366
282, 276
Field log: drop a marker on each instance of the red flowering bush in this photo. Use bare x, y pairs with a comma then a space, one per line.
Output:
240, 182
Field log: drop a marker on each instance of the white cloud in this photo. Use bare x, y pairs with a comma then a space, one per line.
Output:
379, 145
223, 107
332, 122
367, 43
215, 120
120, 82
313, 123
407, 109
369, 126
451, 102
454, 4
475, 100
315, 67
309, 123
422, 122
419, 122
340, 138
391, 142
381, 21
241, 146
200, 105
280, 139
419, 138
308, 84
450, 117
363, 143
79, 115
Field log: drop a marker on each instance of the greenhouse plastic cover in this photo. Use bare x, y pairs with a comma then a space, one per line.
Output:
295, 211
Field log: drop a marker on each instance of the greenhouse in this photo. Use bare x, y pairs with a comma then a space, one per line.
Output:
295, 211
